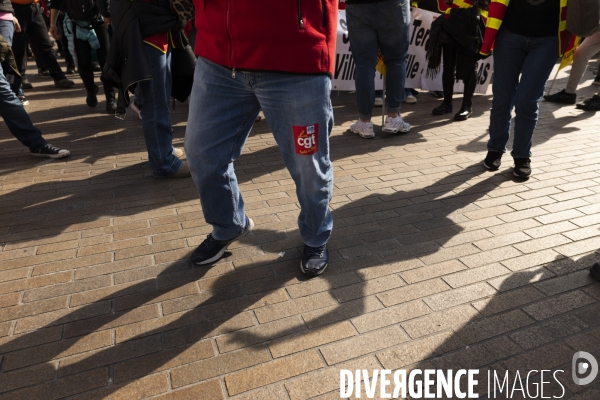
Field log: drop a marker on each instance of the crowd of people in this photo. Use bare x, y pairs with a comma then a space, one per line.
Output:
246, 61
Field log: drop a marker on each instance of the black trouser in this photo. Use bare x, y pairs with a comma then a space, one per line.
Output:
33, 25
83, 51
449, 58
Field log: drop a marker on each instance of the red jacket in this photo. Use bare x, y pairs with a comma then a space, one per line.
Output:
268, 35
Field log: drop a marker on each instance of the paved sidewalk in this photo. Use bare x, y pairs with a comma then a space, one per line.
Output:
436, 263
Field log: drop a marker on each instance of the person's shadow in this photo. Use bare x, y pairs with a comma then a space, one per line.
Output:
403, 238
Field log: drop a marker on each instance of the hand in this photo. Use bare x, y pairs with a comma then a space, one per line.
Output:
17, 26
54, 32
107, 20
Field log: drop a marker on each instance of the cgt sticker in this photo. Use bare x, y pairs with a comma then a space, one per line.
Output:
306, 139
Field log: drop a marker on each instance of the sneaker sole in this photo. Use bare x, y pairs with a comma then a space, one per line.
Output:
50, 155
361, 135
490, 168
311, 273
220, 253
521, 176
396, 130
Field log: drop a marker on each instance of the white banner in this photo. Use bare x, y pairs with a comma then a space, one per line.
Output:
416, 63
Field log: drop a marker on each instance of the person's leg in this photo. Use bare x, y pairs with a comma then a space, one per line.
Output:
392, 33
587, 49
222, 111
301, 125
449, 65
510, 51
541, 56
363, 40
156, 119
101, 30
7, 30
19, 44
16, 118
40, 44
83, 52
469, 90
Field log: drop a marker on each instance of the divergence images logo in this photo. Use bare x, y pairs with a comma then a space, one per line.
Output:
584, 363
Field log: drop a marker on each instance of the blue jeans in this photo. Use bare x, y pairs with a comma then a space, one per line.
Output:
371, 26
17, 119
299, 112
7, 30
156, 119
531, 58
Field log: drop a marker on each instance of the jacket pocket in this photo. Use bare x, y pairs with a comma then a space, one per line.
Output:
300, 16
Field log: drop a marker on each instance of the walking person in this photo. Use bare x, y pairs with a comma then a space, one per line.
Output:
285, 68
383, 25
33, 28
528, 37
588, 48
14, 115
90, 25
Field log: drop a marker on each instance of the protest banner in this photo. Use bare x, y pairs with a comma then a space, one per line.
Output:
416, 63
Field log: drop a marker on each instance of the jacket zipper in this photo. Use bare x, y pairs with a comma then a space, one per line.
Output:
324, 8
300, 17
230, 43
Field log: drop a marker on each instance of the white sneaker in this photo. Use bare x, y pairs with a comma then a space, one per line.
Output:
364, 129
378, 102
396, 125
410, 99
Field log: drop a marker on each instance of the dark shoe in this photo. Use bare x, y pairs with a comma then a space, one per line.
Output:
442, 109
414, 92
50, 151
96, 67
26, 84
314, 260
111, 106
91, 100
70, 70
492, 160
522, 168
596, 81
591, 104
562, 97
64, 83
438, 94
595, 271
183, 171
43, 74
211, 250
463, 114
24, 100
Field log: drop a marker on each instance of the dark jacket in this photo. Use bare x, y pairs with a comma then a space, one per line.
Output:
6, 6
269, 35
127, 62
103, 6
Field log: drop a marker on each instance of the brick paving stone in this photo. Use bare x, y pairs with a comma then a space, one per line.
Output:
435, 262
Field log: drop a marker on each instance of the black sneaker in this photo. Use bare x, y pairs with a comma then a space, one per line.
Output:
44, 73
562, 97
522, 168
314, 260
438, 94
91, 100
595, 271
492, 160
211, 250
591, 104
71, 69
26, 84
64, 83
50, 151
111, 106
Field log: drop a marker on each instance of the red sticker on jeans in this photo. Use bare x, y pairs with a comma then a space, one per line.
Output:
306, 139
